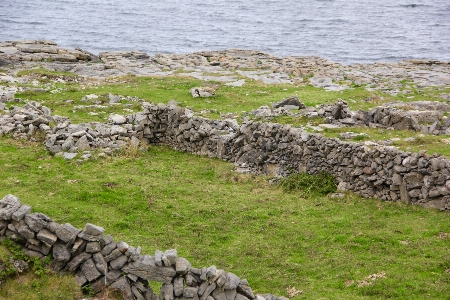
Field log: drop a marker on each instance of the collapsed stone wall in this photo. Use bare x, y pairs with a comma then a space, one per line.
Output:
98, 260
368, 169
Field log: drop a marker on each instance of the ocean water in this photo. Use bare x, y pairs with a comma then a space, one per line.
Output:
346, 31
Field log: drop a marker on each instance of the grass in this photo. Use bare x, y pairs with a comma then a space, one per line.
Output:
163, 199
281, 238
44, 75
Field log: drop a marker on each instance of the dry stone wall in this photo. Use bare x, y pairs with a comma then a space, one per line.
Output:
368, 169
98, 260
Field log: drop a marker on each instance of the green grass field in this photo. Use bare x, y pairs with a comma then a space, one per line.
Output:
279, 240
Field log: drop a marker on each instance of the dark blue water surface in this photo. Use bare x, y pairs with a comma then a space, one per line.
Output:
342, 30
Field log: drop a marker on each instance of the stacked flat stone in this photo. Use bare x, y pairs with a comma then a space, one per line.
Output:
96, 259
23, 122
88, 136
39, 50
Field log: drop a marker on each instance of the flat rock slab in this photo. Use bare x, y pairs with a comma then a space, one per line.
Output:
147, 269
8, 205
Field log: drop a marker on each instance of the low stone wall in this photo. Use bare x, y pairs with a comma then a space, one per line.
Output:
368, 169
98, 260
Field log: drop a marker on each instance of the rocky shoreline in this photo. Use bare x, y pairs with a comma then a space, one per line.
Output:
224, 65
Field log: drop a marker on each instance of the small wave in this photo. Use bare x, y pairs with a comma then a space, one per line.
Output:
35, 23
413, 5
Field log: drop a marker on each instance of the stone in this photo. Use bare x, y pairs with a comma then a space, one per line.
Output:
60, 253
21, 212
158, 258
89, 270
3, 225
92, 229
118, 130
93, 247
83, 144
291, 101
80, 278
244, 289
240, 297
203, 274
78, 246
68, 144
8, 205
47, 237
167, 291
146, 268
415, 193
100, 263
107, 249
98, 285
122, 247
44, 249
202, 287
211, 271
182, 265
404, 195
113, 98
105, 240
77, 261
230, 294
133, 253
203, 92
190, 292
112, 276
220, 278
36, 221
397, 179
171, 255
136, 293
113, 255
118, 263
32, 253
117, 119
69, 156
178, 286
165, 261
218, 294
340, 110
25, 231
209, 289
52, 226
348, 135
132, 277
67, 233
192, 279
232, 281
88, 237
236, 83
123, 285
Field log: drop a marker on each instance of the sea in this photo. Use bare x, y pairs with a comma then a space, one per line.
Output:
346, 31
